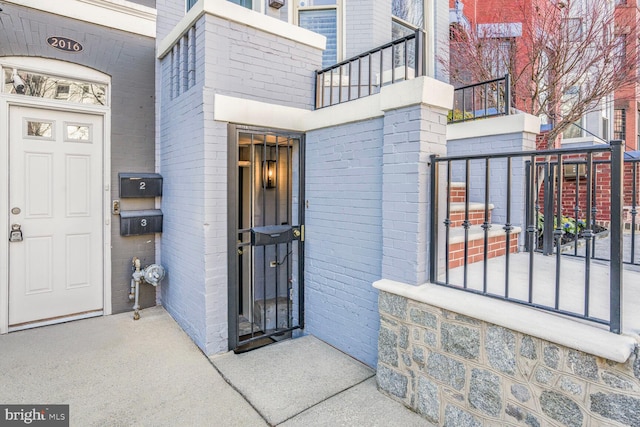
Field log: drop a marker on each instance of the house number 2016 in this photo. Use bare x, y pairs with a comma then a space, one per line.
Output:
63, 43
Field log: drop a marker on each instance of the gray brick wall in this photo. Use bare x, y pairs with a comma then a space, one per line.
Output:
237, 61
343, 251
129, 60
248, 63
367, 25
411, 135
170, 12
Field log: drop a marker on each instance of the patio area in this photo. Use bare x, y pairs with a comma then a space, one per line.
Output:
572, 281
115, 371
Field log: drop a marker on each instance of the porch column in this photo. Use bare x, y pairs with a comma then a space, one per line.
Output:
415, 124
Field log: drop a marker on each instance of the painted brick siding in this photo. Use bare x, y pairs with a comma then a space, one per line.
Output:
182, 165
129, 60
248, 63
411, 135
343, 236
170, 12
367, 25
215, 229
238, 61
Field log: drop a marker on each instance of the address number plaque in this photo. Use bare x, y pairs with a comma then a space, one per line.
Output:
65, 44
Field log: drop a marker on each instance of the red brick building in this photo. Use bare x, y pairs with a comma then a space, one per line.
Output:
627, 108
507, 19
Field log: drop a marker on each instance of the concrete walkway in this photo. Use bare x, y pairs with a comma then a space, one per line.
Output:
114, 371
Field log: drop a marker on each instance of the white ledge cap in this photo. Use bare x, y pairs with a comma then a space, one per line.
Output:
547, 326
492, 126
421, 90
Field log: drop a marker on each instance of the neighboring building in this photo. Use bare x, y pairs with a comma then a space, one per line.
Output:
626, 114
507, 20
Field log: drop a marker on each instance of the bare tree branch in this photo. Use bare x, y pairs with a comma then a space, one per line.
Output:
569, 58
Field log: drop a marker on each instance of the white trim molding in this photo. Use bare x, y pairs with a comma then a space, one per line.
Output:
501, 125
232, 12
422, 90
118, 14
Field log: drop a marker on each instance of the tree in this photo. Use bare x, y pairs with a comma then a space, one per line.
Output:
568, 57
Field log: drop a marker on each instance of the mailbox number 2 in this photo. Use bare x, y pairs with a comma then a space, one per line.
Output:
143, 185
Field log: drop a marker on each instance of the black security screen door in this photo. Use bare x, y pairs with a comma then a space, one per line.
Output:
266, 236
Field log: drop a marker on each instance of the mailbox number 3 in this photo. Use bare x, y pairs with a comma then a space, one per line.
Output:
143, 222
143, 185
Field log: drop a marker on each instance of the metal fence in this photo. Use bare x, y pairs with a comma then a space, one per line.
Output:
481, 100
579, 207
365, 74
517, 185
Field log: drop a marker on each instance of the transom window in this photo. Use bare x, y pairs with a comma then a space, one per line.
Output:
21, 82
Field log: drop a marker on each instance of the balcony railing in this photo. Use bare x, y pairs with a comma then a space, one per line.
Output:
496, 254
365, 74
481, 100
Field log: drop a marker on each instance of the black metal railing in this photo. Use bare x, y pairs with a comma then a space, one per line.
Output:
495, 254
481, 100
581, 207
365, 74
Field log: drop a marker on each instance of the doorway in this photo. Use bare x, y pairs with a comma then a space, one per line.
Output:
55, 201
266, 236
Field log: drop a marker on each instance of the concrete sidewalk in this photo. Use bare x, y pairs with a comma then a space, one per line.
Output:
114, 371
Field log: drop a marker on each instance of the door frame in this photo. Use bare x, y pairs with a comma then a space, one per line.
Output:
232, 223
71, 71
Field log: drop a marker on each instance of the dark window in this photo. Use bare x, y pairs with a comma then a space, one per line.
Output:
619, 122
190, 4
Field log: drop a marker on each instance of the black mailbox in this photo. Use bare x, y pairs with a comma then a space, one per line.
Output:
271, 235
140, 184
133, 223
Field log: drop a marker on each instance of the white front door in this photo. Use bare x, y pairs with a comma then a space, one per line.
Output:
55, 182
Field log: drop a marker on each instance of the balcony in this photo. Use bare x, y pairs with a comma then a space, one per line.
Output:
364, 74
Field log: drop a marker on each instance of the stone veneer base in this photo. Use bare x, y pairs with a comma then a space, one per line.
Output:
460, 370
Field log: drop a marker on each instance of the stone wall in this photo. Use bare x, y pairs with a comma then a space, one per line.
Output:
458, 371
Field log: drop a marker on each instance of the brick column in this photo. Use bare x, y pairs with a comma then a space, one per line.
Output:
412, 132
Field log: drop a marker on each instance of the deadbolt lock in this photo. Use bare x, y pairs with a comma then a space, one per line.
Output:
16, 233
